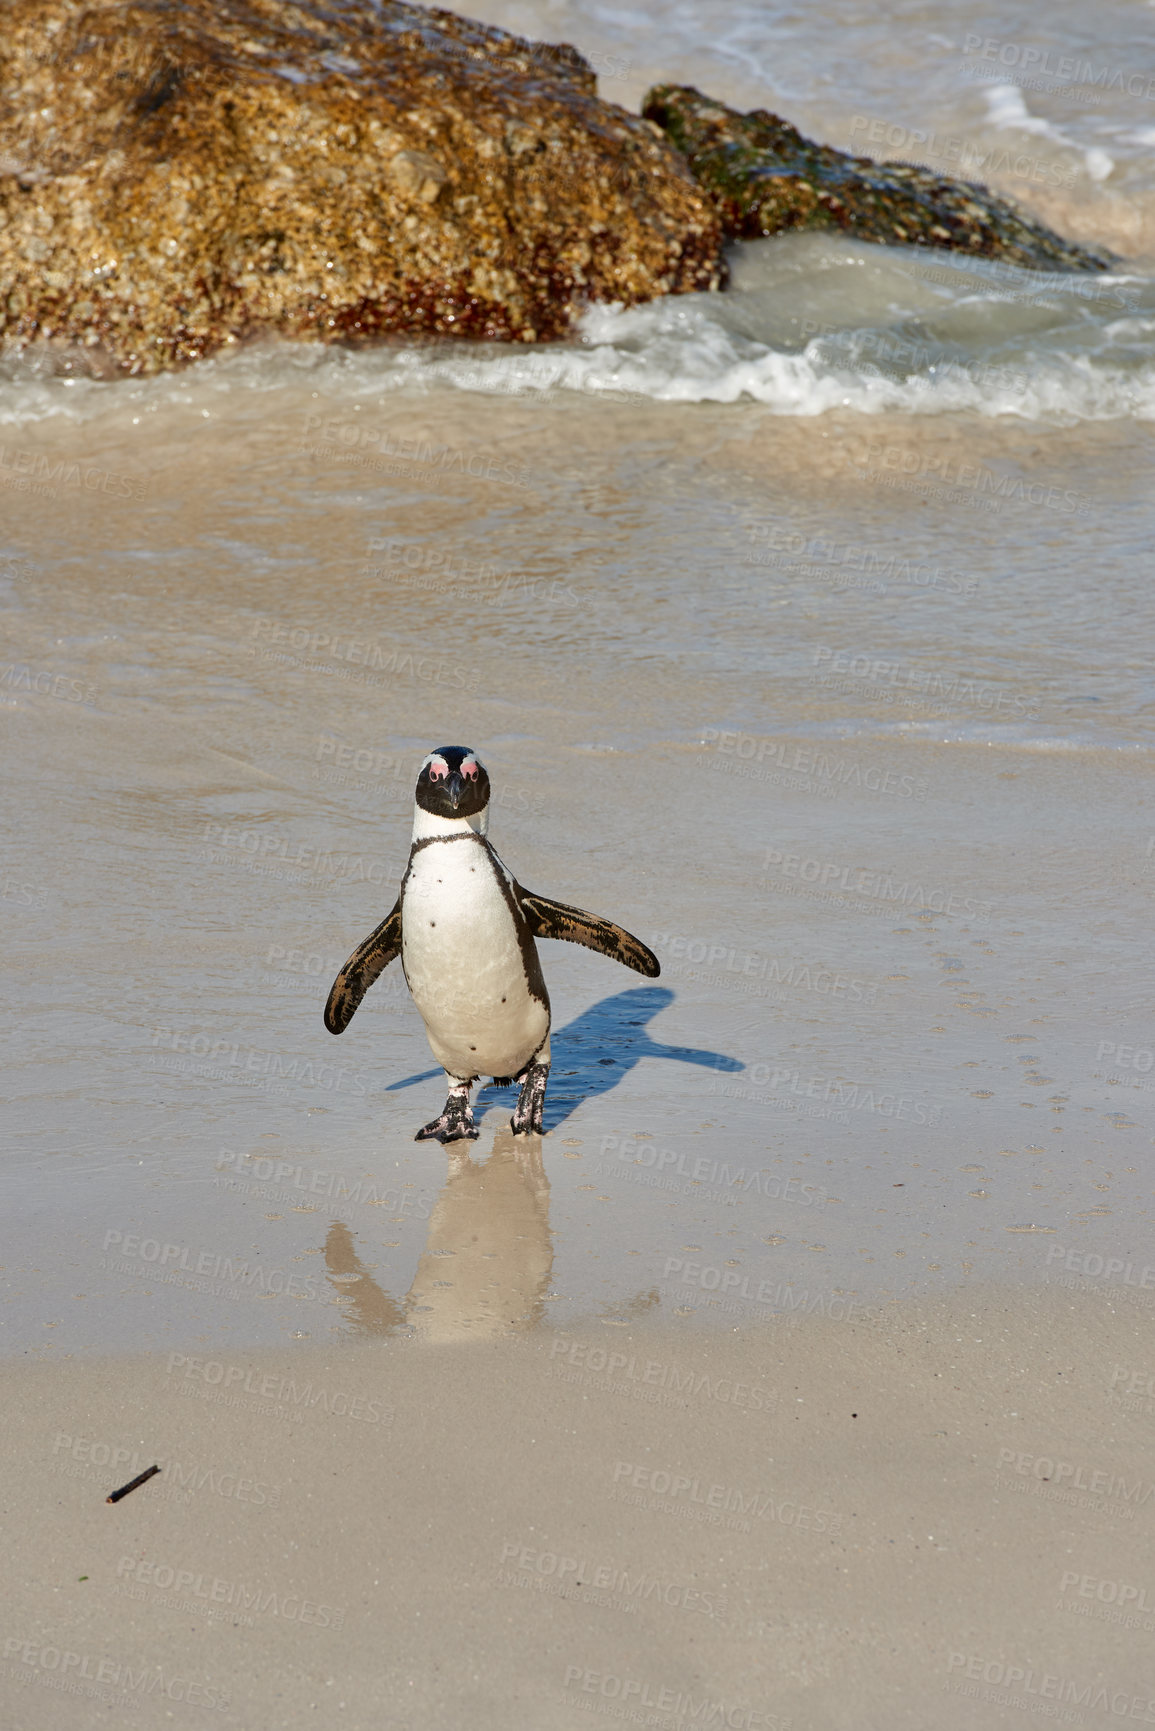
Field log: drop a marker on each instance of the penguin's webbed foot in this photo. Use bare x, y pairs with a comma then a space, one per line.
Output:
455, 1123
528, 1119
452, 1126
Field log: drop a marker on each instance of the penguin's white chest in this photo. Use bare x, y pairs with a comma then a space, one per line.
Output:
464, 963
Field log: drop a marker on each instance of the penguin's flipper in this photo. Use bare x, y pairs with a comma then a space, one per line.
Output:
547, 919
367, 961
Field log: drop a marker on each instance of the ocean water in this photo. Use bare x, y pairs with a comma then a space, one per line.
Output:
805, 629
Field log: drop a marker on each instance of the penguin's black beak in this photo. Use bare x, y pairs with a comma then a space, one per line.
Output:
455, 787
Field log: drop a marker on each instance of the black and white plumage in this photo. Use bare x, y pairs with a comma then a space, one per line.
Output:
465, 929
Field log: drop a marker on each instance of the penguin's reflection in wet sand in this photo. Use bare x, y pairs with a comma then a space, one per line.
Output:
486, 1266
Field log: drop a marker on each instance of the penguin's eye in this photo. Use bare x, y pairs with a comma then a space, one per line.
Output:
438, 769
469, 769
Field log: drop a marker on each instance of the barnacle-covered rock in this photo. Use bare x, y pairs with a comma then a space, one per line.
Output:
765, 178
177, 177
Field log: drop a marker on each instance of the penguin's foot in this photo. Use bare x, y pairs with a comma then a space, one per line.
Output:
528, 1119
455, 1123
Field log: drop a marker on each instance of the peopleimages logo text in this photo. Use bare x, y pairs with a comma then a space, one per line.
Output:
1097, 1267
837, 879
898, 460
632, 1693
211, 1265
888, 676
1121, 1593
1050, 1687
85, 477
1072, 1475
729, 1499
234, 1380
449, 459
1027, 57
800, 760
803, 976
126, 1463
627, 1368
239, 1595
223, 1061
731, 1283
836, 1091
702, 1169
87, 1673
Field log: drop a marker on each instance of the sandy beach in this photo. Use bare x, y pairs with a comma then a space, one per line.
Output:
932, 1514
800, 1377
872, 1145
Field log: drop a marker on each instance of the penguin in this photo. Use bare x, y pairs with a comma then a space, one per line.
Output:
465, 929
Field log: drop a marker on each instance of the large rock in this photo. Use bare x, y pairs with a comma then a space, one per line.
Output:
178, 177
765, 178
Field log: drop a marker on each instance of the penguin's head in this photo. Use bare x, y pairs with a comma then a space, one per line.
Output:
453, 783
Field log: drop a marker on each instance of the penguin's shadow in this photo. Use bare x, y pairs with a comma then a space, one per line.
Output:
592, 1054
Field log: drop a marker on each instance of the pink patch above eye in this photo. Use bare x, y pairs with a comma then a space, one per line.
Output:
438, 769
469, 769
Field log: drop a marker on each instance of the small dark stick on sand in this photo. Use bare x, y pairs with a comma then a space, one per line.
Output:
131, 1485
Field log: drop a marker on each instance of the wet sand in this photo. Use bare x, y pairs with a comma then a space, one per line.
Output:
874, 838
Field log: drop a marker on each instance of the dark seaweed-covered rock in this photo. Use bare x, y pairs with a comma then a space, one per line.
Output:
175, 177
764, 178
